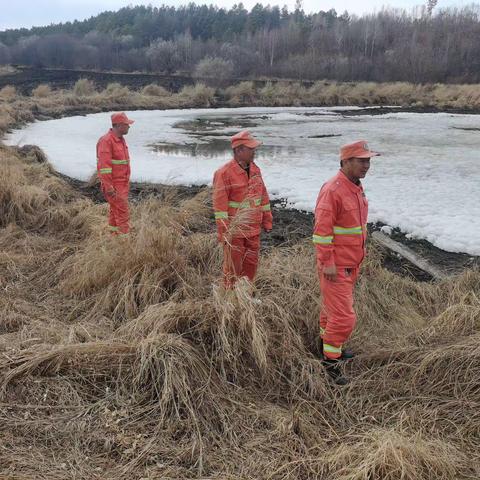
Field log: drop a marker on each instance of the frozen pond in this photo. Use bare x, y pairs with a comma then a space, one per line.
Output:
427, 182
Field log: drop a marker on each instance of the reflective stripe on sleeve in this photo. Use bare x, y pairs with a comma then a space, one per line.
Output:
320, 240
105, 170
266, 208
221, 215
120, 162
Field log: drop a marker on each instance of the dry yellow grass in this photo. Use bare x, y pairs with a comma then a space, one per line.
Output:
83, 87
42, 91
154, 90
8, 93
124, 358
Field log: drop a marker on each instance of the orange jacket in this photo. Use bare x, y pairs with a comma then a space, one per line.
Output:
113, 162
234, 191
341, 223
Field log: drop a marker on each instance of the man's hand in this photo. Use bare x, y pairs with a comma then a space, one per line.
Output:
267, 230
111, 193
330, 273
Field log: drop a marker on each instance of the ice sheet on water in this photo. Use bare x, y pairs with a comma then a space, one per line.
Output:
427, 181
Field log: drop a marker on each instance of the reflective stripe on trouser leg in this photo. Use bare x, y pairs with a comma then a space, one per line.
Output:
338, 303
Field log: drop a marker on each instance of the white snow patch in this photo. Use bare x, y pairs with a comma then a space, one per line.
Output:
426, 183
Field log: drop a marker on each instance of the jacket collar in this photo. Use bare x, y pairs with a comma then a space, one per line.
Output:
238, 169
348, 183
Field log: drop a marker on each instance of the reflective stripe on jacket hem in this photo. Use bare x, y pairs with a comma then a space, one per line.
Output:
245, 203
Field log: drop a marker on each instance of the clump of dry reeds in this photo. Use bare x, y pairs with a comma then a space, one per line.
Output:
243, 93
198, 95
154, 90
9, 92
83, 87
42, 91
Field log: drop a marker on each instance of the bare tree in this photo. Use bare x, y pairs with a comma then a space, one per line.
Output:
214, 71
163, 56
431, 4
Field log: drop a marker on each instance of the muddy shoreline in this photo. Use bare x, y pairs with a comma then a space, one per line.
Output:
293, 226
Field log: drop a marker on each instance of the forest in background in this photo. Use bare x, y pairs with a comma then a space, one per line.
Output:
421, 46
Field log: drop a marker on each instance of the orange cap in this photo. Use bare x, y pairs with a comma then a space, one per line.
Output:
121, 118
244, 138
357, 150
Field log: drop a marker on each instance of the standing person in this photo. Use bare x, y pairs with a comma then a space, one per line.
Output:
339, 237
113, 166
242, 209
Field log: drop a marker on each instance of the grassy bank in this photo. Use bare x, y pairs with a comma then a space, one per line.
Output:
122, 358
85, 98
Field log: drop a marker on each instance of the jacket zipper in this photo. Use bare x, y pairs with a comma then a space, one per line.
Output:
361, 225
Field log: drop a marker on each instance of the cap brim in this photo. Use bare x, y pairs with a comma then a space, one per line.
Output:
130, 122
368, 155
253, 144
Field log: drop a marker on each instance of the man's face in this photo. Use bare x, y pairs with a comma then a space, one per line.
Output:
122, 128
357, 167
245, 154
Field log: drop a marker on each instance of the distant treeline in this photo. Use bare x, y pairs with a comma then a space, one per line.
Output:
420, 46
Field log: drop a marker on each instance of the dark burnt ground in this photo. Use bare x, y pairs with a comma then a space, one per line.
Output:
26, 79
293, 226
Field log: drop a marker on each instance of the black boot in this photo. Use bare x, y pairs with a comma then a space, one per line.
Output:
347, 354
332, 366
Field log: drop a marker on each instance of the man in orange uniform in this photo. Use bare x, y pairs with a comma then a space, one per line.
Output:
340, 236
242, 209
113, 166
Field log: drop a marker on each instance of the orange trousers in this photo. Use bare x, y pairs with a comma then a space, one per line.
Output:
119, 216
337, 316
240, 259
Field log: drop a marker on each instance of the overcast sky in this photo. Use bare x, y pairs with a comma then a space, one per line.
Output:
27, 13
